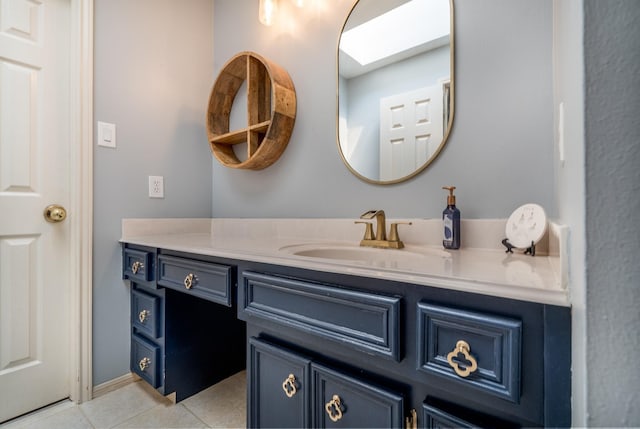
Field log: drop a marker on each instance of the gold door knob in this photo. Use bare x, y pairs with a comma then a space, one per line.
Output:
136, 266
142, 316
190, 280
144, 363
462, 347
55, 213
334, 408
289, 386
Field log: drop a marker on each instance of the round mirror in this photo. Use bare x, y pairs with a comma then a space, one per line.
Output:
395, 87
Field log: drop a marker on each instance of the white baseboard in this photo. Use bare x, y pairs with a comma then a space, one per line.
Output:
116, 383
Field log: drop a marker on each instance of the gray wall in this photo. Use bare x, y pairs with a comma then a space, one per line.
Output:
153, 73
612, 153
499, 154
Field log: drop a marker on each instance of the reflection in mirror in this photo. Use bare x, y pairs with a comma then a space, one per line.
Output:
395, 87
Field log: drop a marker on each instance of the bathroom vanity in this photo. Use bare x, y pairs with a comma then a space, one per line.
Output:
471, 338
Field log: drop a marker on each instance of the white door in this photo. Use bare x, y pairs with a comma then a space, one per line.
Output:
411, 129
34, 173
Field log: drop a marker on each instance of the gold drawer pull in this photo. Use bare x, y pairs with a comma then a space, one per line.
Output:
411, 422
334, 408
137, 266
144, 363
462, 347
190, 280
289, 386
143, 315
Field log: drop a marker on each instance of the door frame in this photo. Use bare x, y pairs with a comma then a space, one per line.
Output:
81, 200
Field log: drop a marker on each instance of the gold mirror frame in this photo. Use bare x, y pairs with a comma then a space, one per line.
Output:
449, 125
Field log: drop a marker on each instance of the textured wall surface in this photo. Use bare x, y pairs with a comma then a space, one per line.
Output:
153, 68
612, 151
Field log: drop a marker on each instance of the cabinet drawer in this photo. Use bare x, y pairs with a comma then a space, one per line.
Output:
279, 387
435, 418
339, 400
145, 360
205, 280
463, 338
137, 265
361, 320
145, 313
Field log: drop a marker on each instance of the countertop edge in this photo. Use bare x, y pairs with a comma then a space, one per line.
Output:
555, 295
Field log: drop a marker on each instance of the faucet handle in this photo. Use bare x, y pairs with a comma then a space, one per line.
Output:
393, 233
368, 232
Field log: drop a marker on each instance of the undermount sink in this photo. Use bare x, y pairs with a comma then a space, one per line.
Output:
389, 258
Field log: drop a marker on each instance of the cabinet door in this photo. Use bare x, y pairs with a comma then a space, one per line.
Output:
342, 401
278, 387
146, 360
146, 314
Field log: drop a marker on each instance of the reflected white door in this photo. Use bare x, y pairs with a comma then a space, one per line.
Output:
34, 173
411, 129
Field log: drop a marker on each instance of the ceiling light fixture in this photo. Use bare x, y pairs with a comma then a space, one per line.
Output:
267, 11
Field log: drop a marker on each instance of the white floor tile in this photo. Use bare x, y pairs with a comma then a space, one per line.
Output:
121, 405
222, 405
137, 405
164, 416
69, 418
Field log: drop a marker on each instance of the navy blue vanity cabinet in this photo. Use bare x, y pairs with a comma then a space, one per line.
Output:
478, 350
455, 359
203, 279
330, 392
183, 340
147, 334
139, 265
279, 387
288, 389
341, 400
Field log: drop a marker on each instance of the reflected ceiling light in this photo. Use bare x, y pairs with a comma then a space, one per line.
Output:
267, 11
395, 25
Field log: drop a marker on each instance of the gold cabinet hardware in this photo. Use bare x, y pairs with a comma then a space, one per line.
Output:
136, 266
462, 347
142, 316
334, 408
144, 363
289, 386
411, 422
190, 280
55, 213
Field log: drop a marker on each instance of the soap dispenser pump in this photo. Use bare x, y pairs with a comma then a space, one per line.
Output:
451, 221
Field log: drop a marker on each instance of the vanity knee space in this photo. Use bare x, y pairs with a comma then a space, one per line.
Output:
179, 303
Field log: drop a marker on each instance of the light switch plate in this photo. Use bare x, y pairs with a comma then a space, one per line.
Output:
106, 134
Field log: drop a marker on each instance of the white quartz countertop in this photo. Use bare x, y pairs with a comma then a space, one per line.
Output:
486, 270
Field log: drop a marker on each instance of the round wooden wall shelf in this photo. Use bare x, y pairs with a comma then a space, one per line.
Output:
271, 111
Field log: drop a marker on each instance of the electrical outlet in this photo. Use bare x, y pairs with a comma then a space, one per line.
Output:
156, 187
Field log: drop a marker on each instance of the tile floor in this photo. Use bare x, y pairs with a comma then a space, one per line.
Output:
137, 405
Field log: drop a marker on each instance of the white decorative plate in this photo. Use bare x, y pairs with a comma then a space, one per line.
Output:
527, 224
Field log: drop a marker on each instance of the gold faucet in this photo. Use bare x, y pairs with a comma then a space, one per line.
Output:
379, 239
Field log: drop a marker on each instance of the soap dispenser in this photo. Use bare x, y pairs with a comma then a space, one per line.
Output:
451, 221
